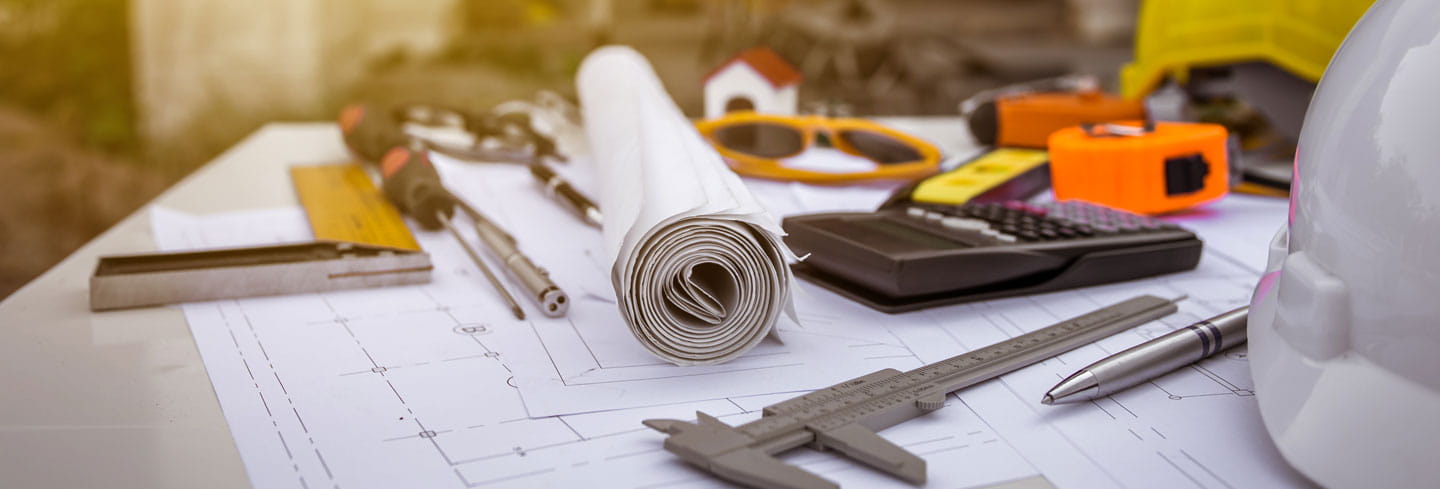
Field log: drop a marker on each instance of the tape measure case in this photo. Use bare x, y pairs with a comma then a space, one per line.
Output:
1142, 168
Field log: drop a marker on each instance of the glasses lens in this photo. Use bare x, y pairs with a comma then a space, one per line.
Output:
760, 139
881, 148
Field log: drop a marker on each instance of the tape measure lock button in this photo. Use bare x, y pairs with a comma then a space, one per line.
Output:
1185, 174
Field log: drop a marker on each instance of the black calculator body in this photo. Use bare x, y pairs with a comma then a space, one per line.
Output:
911, 256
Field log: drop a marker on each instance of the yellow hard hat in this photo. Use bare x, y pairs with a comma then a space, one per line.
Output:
1173, 36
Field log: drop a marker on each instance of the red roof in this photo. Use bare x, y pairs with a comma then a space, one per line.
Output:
767, 63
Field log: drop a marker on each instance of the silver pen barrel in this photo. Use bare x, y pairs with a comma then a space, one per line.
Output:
1153, 358
553, 301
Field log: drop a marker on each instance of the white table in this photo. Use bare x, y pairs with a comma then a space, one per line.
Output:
121, 399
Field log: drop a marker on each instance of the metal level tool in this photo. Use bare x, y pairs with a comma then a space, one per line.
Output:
150, 279
844, 417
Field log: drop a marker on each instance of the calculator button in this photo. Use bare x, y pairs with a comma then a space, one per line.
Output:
1006, 238
915, 212
964, 223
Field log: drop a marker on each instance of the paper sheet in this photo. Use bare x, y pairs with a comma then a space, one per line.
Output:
698, 267
1196, 427
589, 361
417, 386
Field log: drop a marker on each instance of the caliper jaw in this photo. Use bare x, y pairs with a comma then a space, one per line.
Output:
731, 454
868, 447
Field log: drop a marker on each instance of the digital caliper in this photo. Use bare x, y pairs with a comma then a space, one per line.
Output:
844, 417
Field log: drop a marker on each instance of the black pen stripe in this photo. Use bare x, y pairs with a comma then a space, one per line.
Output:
1204, 339
1214, 331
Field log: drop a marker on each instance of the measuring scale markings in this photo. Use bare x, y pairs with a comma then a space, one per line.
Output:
845, 417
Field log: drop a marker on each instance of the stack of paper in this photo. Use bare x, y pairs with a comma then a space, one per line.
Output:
697, 263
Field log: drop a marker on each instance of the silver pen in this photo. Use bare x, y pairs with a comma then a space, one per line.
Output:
559, 189
1152, 359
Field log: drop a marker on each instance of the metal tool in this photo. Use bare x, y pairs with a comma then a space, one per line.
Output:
371, 130
1152, 359
843, 417
536, 280
499, 136
559, 189
149, 279
484, 269
411, 182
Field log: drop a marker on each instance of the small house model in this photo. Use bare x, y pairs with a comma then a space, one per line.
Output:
756, 79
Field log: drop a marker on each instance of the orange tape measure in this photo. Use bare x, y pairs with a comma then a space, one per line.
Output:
1142, 168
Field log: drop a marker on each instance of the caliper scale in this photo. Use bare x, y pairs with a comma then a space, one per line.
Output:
845, 417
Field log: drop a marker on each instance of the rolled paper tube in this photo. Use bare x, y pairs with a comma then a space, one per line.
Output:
698, 266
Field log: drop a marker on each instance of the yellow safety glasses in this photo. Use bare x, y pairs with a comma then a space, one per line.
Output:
753, 145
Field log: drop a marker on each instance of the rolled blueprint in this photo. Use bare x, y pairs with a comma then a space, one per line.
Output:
698, 267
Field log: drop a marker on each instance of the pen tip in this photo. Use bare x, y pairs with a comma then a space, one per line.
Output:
1047, 400
519, 314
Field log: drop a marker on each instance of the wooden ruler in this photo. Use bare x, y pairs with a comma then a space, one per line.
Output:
343, 204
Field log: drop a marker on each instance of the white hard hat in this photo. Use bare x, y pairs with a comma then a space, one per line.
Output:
1345, 325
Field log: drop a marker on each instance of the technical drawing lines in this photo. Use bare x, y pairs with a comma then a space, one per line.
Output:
264, 361
1194, 471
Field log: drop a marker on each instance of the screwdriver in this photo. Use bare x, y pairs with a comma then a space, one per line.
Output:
412, 184
369, 133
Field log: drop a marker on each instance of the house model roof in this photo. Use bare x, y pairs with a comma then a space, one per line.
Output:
764, 61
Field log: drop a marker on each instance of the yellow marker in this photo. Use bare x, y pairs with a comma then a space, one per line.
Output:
343, 204
980, 175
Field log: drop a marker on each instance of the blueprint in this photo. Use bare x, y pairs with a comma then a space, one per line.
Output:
1196, 427
400, 387
589, 360
437, 386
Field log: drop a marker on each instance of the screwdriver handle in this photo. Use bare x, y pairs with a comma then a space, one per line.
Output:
413, 185
369, 131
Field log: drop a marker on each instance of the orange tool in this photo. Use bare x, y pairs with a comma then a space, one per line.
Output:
1027, 119
1147, 168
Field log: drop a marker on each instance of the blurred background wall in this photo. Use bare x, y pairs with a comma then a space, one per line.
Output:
203, 68
103, 103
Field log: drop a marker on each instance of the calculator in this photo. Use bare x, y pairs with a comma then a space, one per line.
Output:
915, 255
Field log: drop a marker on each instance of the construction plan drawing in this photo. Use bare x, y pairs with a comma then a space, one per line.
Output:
438, 386
590, 361
395, 388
